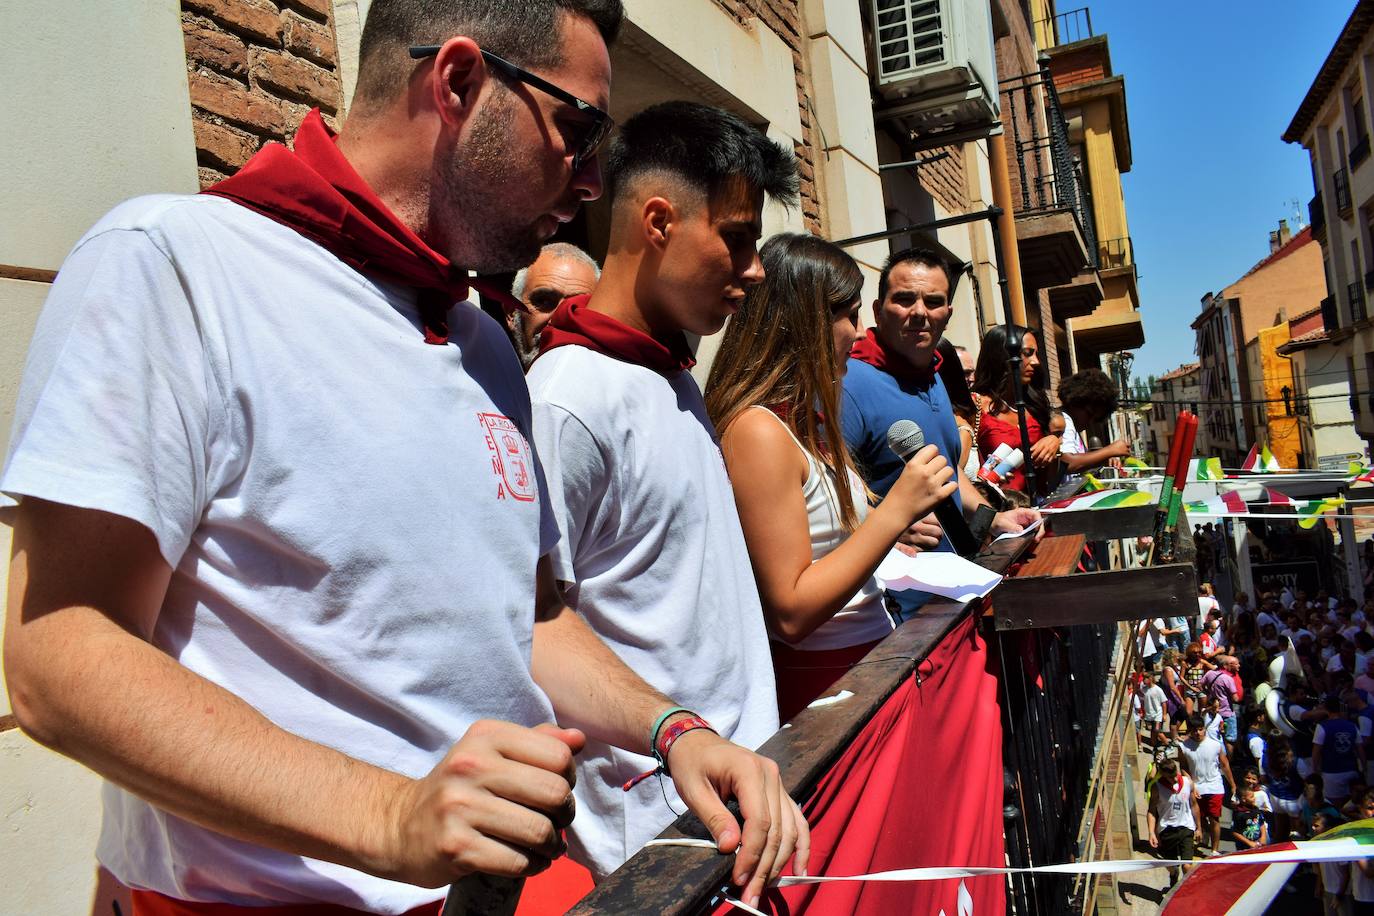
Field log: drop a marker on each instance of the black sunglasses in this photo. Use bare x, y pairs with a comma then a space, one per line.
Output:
597, 127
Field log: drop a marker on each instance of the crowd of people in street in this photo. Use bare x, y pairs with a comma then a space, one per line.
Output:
1265, 708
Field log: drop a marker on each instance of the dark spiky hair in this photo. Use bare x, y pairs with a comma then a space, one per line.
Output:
518, 30
708, 148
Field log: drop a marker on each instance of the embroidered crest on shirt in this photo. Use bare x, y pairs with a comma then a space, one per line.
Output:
510, 457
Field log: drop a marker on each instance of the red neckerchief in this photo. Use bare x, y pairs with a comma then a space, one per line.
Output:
870, 350
314, 190
574, 323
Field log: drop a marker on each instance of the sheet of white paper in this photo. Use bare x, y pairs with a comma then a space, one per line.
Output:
946, 574
1020, 534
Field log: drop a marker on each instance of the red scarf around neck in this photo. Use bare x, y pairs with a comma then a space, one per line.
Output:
869, 349
314, 190
574, 323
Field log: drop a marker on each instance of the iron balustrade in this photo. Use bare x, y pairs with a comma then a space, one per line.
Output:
1331, 318
1341, 180
1359, 152
1066, 28
1355, 293
1115, 253
1051, 178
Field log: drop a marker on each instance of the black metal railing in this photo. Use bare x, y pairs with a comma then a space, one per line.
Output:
1066, 28
1049, 740
1354, 292
1341, 181
1050, 176
1113, 253
1359, 152
1316, 215
1331, 316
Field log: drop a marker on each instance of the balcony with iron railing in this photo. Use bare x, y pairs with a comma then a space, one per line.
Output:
1066, 28
1316, 216
1054, 214
1340, 180
1354, 293
1331, 316
1115, 253
1359, 152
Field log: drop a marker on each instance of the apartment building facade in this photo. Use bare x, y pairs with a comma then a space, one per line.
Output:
1333, 124
1180, 389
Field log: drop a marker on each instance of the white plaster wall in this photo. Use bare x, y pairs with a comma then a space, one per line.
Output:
95, 109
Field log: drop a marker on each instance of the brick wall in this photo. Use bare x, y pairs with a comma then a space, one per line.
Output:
255, 68
1085, 65
946, 180
784, 18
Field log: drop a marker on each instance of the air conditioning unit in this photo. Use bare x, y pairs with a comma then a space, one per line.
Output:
934, 64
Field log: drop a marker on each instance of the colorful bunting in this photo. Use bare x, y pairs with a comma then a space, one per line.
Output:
1103, 499
1260, 461
1091, 484
1136, 464
1205, 469
1311, 510
1360, 473
1221, 504
1275, 498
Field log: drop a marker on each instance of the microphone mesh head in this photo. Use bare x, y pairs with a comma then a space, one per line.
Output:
905, 438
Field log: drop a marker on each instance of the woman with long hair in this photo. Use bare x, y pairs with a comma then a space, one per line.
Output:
1176, 704
773, 394
994, 397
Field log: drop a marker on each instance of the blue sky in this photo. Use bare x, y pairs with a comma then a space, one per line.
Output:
1210, 87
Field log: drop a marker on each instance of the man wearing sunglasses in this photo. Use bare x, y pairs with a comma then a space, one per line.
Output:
281, 539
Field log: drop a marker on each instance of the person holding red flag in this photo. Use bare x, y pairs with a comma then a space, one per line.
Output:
281, 539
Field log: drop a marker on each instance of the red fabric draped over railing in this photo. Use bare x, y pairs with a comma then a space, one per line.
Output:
920, 785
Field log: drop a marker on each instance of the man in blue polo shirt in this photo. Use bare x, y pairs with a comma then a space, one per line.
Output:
893, 376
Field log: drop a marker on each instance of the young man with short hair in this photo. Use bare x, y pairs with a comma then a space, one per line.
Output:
1337, 752
1205, 759
893, 375
280, 532
652, 551
1173, 817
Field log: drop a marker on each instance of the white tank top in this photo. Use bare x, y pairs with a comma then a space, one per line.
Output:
1176, 806
863, 617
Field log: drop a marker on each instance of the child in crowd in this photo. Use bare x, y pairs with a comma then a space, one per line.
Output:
1248, 826
1212, 716
1362, 870
1250, 779
1151, 708
1333, 878
1285, 789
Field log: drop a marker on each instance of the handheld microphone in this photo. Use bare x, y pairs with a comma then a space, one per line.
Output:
906, 439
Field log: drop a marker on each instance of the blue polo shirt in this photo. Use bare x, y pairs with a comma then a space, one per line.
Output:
871, 401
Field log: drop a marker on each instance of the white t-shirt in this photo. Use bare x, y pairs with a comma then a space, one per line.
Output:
1361, 885
1152, 704
1205, 603
353, 516
1204, 762
1264, 618
1336, 663
653, 550
1148, 636
1174, 808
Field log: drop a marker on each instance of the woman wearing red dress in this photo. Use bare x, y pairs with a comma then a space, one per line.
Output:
995, 399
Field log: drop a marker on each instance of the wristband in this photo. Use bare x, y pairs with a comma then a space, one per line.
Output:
674, 732
658, 724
